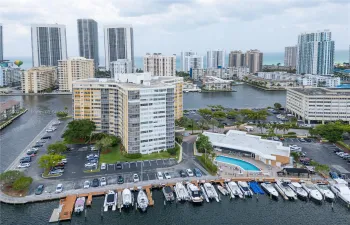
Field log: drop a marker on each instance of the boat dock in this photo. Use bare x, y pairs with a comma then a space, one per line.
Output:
120, 199
149, 195
65, 209
255, 188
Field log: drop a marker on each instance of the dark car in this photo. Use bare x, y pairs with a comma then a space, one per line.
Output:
46, 137
95, 182
118, 166
307, 139
182, 173
39, 190
38, 145
197, 172
92, 160
336, 150
26, 159
120, 180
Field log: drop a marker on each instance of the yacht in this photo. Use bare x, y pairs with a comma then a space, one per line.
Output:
245, 188
142, 200
341, 189
79, 205
110, 201
222, 190
211, 192
297, 188
324, 189
234, 189
283, 187
181, 192
269, 188
195, 193
313, 192
127, 198
168, 193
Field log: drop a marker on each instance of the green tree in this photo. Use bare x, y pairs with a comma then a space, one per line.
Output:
277, 105
232, 114
104, 143
333, 132
261, 126
295, 155
48, 161
205, 112
58, 147
61, 114
10, 176
219, 115
79, 129
203, 124
214, 123
203, 144
246, 112
22, 183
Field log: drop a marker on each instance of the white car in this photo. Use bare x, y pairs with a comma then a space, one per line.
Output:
344, 155
59, 188
340, 153
189, 173
86, 184
90, 164
64, 161
103, 181
52, 129
160, 176
103, 166
167, 175
24, 165
93, 148
136, 178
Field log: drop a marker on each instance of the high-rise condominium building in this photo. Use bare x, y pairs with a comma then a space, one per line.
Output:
184, 61
74, 68
159, 65
119, 43
290, 56
215, 58
236, 59
190, 60
315, 53
10, 76
1, 44
139, 108
38, 79
48, 44
120, 66
254, 60
88, 40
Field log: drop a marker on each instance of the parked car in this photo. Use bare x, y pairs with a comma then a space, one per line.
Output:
25, 159
103, 181
38, 145
60, 164
344, 155
103, 166
308, 139
182, 173
50, 130
189, 173
301, 139
90, 164
92, 156
197, 172
59, 188
93, 148
336, 150
136, 178
167, 175
160, 176
92, 161
46, 137
118, 166
86, 184
39, 190
275, 139
40, 141
58, 170
23, 165
95, 182
120, 180
64, 161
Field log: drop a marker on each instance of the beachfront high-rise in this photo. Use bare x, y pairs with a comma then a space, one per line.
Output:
190, 60
315, 53
254, 60
88, 39
236, 59
216, 58
1, 44
49, 44
290, 56
119, 43
159, 65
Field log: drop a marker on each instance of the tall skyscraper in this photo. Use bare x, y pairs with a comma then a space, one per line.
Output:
1, 44
48, 44
315, 53
254, 60
88, 40
290, 56
184, 60
191, 60
119, 43
159, 65
215, 58
236, 59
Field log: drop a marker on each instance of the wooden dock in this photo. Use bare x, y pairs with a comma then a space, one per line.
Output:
120, 199
149, 195
67, 207
89, 200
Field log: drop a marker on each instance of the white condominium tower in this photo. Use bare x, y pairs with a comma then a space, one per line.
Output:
88, 39
1, 44
290, 56
215, 58
119, 43
190, 60
159, 65
315, 53
48, 44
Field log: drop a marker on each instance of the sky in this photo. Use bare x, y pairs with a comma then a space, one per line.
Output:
172, 26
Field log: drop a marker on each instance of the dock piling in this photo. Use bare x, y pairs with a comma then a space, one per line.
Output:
85, 212
101, 213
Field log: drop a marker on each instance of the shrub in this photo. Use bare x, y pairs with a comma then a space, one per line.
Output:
208, 164
10, 176
291, 133
133, 156
171, 151
22, 183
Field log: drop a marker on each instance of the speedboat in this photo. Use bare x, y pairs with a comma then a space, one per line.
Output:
211, 192
245, 188
195, 193
127, 198
110, 201
79, 205
234, 189
341, 189
142, 200
269, 188
181, 192
283, 186
297, 188
222, 190
324, 190
313, 192
168, 193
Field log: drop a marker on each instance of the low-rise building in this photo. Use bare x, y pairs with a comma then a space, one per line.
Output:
10, 76
229, 73
159, 65
38, 79
267, 151
272, 80
211, 83
120, 66
319, 104
319, 81
8, 108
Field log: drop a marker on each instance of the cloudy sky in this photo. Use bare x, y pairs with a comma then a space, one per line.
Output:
169, 26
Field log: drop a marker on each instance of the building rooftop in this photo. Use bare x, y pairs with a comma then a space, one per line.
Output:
321, 91
8, 104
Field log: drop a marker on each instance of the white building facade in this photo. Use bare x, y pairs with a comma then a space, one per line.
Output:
10, 76
230, 73
216, 59
319, 81
120, 66
159, 65
290, 56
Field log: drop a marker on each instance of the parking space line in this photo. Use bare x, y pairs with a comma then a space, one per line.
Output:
163, 162
157, 162
147, 176
136, 164
149, 163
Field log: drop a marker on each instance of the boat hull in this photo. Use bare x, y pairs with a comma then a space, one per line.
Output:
273, 196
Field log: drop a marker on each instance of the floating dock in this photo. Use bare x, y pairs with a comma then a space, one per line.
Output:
149, 195
255, 187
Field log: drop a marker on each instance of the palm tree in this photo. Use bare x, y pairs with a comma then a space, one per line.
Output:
202, 123
261, 126
213, 155
286, 127
214, 123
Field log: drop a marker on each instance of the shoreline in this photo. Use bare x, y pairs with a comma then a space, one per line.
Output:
265, 89
36, 94
12, 119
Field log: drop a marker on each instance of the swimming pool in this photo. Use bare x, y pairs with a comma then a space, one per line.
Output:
243, 164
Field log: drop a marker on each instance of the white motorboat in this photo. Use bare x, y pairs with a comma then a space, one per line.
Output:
222, 190
341, 189
79, 205
195, 193
127, 198
234, 189
181, 192
142, 200
110, 201
270, 189
211, 192
245, 188
297, 188
283, 187
313, 192
168, 193
324, 189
